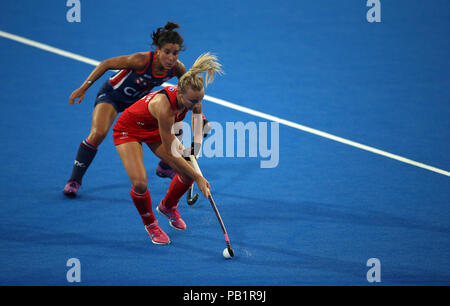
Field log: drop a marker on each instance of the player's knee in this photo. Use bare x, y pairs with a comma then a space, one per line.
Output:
97, 135
139, 185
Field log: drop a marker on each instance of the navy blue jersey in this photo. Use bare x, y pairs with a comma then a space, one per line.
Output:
129, 85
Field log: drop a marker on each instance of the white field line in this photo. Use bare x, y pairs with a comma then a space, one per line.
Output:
239, 108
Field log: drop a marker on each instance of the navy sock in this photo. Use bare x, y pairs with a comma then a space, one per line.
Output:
85, 155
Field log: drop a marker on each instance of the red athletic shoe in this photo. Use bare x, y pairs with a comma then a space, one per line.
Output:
173, 215
157, 234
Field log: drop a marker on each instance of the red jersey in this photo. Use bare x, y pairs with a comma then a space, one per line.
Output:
137, 123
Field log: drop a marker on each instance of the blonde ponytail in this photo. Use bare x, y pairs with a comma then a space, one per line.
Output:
206, 62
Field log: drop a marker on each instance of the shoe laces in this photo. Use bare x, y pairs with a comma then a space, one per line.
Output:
174, 213
155, 229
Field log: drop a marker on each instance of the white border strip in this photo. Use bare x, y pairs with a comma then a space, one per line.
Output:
48, 48
238, 108
325, 135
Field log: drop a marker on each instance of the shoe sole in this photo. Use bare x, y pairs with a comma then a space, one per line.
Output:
170, 223
70, 194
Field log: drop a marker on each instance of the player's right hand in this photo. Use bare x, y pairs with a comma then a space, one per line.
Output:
79, 93
204, 186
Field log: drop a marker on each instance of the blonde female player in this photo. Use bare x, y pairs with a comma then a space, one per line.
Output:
150, 120
138, 74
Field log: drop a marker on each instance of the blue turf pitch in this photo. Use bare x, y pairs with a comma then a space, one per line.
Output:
315, 219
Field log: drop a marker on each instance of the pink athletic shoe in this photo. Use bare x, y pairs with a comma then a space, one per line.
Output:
71, 188
157, 234
161, 172
173, 215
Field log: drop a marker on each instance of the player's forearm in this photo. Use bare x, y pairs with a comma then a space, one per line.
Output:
183, 167
197, 132
95, 74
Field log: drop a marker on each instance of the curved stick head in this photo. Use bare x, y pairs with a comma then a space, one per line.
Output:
230, 250
192, 200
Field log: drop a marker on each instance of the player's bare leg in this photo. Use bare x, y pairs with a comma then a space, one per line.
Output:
131, 156
179, 185
103, 117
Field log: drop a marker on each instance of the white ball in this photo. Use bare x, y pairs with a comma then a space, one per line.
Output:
226, 254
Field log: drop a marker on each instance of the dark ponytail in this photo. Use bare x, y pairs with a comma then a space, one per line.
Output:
167, 35
171, 26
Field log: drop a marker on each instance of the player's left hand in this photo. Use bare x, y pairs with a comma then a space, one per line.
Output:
79, 93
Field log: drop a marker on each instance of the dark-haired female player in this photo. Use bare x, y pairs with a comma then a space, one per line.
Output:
138, 74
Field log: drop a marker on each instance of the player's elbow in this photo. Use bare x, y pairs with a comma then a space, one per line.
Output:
104, 65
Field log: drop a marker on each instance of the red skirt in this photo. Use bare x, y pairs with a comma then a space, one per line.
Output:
124, 131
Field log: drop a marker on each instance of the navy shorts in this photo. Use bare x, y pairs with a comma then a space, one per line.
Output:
106, 94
